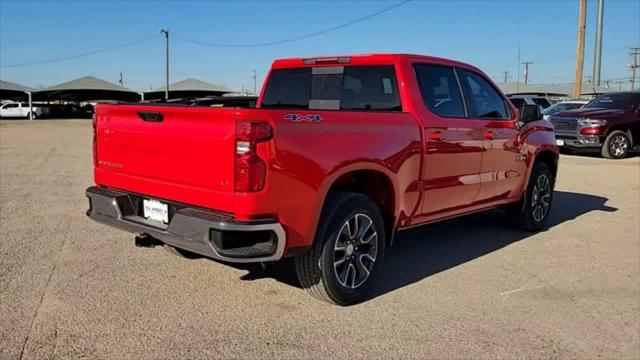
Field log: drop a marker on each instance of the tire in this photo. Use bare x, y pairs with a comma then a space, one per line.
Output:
531, 213
343, 263
181, 253
616, 145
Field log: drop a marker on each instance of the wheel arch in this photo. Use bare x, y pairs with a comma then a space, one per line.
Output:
626, 128
548, 157
375, 183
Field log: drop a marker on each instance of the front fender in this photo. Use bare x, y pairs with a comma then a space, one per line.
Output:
538, 137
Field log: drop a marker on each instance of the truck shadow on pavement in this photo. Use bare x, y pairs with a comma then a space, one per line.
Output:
424, 251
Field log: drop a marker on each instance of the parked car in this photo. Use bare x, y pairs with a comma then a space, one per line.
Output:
520, 100
609, 123
562, 106
21, 110
340, 153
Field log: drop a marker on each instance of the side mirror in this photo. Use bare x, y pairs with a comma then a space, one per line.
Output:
528, 113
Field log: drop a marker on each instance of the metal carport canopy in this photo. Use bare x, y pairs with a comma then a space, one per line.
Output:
85, 89
187, 88
13, 91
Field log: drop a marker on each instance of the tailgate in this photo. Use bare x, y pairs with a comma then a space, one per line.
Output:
184, 154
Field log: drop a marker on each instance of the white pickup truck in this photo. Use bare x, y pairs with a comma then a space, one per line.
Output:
16, 109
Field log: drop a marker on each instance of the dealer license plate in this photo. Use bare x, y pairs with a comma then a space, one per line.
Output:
155, 210
559, 142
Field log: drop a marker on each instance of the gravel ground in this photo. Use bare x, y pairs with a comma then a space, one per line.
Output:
464, 288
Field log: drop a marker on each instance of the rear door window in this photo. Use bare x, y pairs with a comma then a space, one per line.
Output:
440, 90
483, 100
352, 88
370, 88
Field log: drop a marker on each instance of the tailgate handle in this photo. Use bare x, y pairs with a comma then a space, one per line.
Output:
150, 116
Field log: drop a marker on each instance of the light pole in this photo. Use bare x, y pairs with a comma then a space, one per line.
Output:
165, 32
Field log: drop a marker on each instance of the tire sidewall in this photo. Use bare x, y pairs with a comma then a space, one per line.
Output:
538, 170
357, 205
608, 153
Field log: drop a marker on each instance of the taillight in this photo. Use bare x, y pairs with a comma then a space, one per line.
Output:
250, 168
94, 124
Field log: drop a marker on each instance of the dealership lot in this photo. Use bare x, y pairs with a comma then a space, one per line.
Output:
467, 287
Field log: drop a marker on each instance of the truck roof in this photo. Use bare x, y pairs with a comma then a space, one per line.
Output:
365, 59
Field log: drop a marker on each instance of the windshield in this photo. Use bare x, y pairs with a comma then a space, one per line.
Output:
561, 107
614, 101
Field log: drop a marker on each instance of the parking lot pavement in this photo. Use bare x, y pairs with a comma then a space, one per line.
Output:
465, 288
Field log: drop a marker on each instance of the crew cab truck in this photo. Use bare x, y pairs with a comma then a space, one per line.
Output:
609, 124
17, 109
338, 155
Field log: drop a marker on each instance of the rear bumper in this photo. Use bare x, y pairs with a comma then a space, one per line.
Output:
206, 232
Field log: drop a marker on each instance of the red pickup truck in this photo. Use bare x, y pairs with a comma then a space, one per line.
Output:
338, 155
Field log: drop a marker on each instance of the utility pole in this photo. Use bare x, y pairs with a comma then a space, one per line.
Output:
635, 51
255, 84
526, 71
597, 54
165, 32
506, 75
582, 20
120, 81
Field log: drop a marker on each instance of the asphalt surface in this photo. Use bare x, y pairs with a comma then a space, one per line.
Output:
465, 288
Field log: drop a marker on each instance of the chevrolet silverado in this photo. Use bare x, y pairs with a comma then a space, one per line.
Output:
338, 155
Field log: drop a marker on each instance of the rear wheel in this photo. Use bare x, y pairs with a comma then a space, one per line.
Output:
348, 250
532, 212
616, 145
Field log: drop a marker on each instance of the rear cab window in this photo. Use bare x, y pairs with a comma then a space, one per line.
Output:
348, 88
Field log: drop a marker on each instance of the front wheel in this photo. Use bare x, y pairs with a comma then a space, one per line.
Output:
532, 212
616, 145
348, 250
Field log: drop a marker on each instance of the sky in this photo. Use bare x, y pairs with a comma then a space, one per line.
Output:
486, 34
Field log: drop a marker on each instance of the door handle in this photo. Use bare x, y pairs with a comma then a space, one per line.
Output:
436, 136
489, 135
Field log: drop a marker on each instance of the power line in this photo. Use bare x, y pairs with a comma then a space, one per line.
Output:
297, 38
116, 47
550, 60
